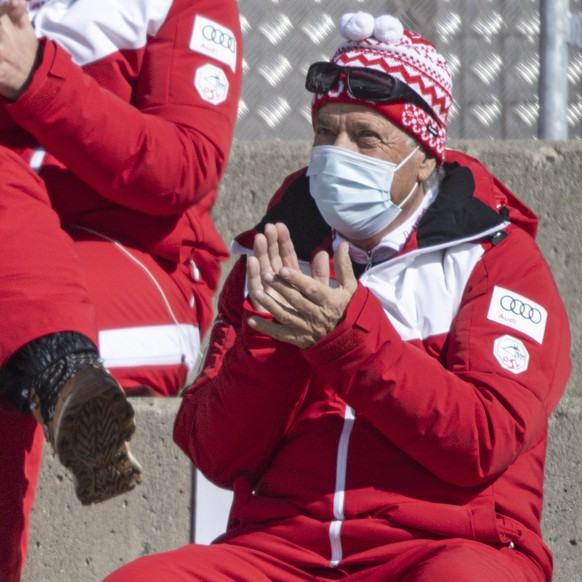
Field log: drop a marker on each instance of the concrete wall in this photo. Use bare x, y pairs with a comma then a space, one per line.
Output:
70, 543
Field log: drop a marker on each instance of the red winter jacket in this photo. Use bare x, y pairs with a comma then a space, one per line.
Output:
123, 119
422, 415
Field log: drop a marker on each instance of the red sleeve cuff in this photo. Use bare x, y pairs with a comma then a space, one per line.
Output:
251, 338
54, 66
362, 319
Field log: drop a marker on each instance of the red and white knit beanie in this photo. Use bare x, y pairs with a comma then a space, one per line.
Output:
383, 44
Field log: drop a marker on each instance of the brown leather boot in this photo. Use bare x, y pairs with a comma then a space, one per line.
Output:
90, 431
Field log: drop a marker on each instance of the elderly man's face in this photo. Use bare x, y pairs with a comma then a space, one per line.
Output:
363, 130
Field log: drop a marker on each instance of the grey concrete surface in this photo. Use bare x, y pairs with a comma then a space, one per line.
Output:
562, 517
70, 543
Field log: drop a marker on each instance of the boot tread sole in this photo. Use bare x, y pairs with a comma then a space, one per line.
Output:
91, 439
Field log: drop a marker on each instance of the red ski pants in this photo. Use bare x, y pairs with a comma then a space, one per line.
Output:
54, 280
451, 560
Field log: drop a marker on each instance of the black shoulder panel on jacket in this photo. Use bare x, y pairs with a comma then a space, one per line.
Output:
456, 213
298, 211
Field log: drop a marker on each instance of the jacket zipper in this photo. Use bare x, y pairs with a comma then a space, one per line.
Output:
369, 263
340, 486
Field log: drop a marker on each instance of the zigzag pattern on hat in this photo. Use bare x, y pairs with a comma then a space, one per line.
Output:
420, 54
434, 93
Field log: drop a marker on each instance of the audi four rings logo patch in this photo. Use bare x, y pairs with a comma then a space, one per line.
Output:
214, 40
516, 311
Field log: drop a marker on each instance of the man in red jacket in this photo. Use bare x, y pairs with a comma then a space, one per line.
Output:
383, 416
116, 121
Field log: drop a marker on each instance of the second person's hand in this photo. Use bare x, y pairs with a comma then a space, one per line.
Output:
18, 49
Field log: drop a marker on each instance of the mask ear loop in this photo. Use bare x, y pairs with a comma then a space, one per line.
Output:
415, 186
408, 157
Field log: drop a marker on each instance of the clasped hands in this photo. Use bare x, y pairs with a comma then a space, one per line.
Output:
305, 308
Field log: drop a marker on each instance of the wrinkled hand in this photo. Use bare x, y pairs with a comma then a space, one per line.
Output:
18, 48
305, 308
272, 251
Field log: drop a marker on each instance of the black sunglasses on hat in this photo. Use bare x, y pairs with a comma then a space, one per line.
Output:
363, 83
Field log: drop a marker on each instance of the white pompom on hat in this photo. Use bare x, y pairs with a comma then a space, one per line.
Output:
388, 29
383, 44
356, 25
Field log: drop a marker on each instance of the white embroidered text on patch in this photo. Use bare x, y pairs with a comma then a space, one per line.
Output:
211, 83
214, 40
511, 354
516, 311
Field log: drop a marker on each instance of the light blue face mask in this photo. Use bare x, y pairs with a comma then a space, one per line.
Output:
352, 190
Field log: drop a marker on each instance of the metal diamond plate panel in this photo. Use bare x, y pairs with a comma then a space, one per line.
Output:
491, 45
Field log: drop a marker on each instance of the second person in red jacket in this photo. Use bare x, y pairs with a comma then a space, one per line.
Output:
116, 121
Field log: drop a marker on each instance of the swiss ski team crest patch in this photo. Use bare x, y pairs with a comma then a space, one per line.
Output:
211, 83
511, 354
